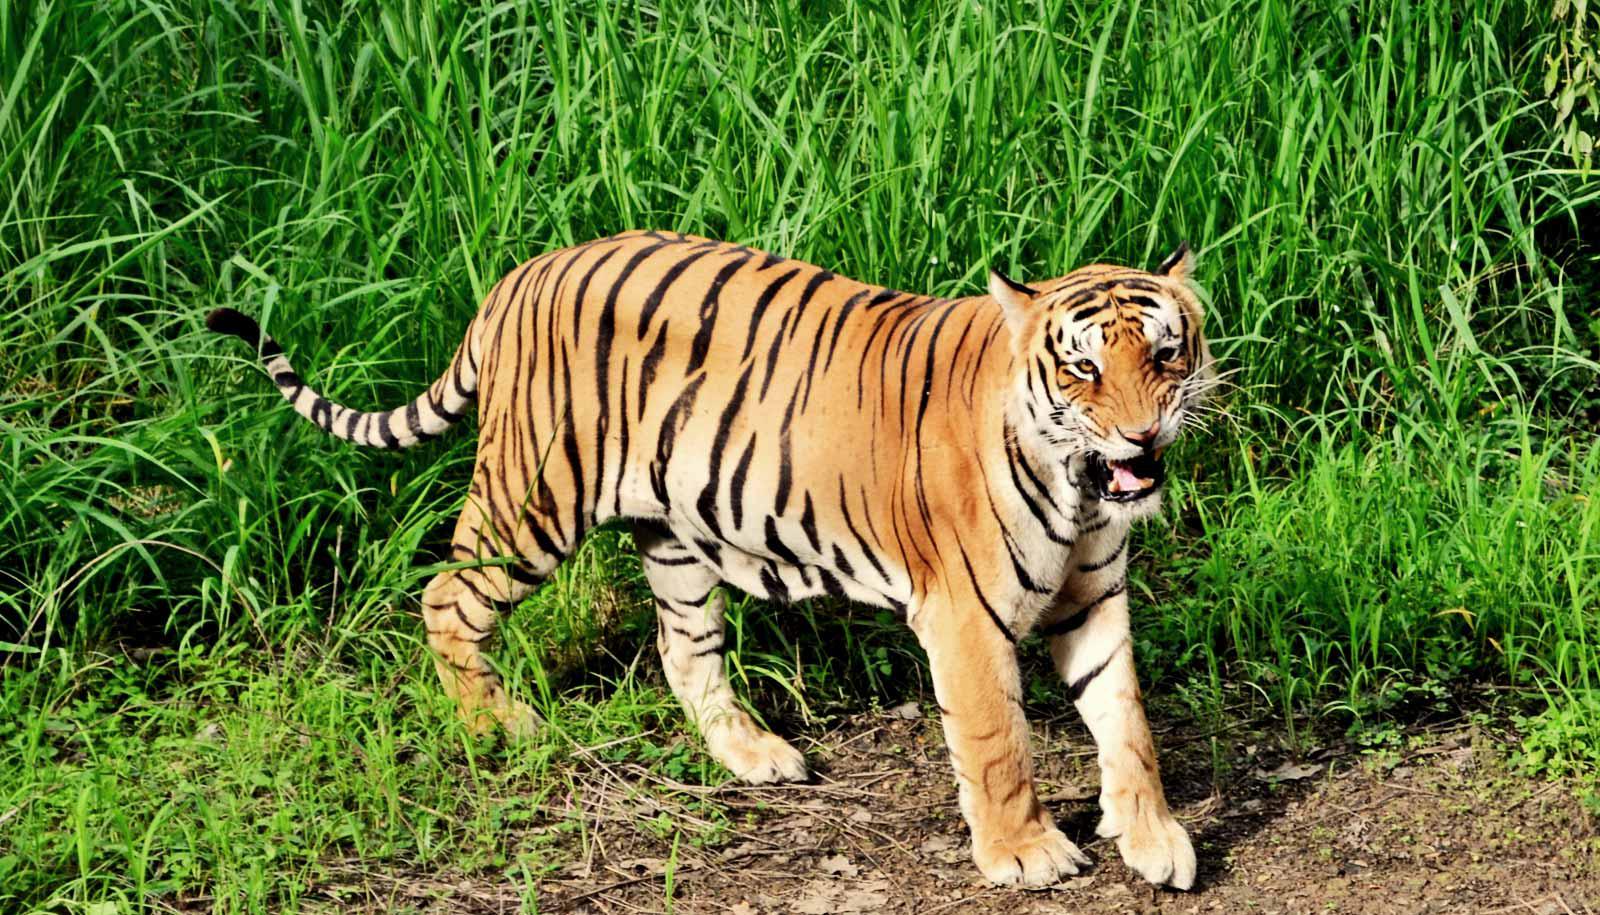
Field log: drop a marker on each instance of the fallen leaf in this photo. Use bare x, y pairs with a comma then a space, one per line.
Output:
826, 898
839, 864
1070, 793
941, 848
866, 897
909, 711
652, 866
818, 903
741, 908
1288, 772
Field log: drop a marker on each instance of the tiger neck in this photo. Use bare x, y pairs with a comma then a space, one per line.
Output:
1034, 494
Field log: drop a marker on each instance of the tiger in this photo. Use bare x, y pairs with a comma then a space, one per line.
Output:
972, 464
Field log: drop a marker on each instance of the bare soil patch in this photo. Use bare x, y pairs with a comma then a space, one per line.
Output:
1438, 827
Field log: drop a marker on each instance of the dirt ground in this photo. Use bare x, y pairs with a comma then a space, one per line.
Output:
1436, 827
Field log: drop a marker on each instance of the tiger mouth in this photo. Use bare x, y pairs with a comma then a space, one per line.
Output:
1126, 481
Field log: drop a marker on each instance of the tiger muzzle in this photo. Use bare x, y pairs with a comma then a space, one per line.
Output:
1129, 480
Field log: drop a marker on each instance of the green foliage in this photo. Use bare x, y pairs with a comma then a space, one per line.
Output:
1572, 81
1564, 738
1399, 493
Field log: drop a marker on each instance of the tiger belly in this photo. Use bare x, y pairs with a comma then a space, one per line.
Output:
773, 578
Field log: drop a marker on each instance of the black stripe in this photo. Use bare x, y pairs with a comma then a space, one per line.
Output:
838, 325
414, 422
1017, 568
776, 546
709, 306
1143, 301
647, 369
984, 601
785, 466
622, 441
831, 583
675, 561
707, 503
671, 424
1064, 626
773, 583
866, 550
522, 574
811, 364
1015, 459
569, 447
1076, 687
772, 353
882, 322
322, 413
385, 434
736, 484
808, 523
653, 300
1096, 525
604, 334
760, 309
1097, 566
842, 562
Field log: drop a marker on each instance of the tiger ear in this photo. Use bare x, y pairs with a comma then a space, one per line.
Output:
1013, 297
1179, 264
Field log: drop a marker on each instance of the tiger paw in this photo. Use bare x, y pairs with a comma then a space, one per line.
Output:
1157, 848
518, 719
758, 757
1038, 860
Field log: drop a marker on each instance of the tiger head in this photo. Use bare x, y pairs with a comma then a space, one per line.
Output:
1112, 364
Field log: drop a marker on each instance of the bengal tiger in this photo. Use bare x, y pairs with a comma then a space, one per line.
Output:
973, 463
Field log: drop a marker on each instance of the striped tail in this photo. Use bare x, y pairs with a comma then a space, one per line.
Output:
441, 406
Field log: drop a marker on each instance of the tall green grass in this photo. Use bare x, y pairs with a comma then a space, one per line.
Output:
1398, 492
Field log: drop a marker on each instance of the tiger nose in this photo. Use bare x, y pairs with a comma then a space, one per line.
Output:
1145, 438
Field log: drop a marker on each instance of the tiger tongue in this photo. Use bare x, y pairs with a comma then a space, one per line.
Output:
1124, 480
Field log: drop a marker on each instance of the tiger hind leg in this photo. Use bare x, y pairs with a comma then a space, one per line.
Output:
460, 608
690, 637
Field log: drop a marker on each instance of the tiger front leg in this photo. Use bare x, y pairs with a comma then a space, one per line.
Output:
1090, 643
978, 687
691, 638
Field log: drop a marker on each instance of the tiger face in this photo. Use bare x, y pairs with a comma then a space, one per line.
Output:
1112, 363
